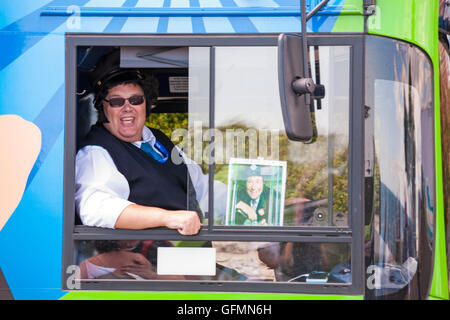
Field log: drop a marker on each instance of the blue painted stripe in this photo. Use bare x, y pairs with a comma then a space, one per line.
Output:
117, 23
253, 4
319, 24
141, 25
242, 25
39, 73
218, 25
284, 3
19, 42
51, 123
198, 25
228, 3
56, 11
163, 25
210, 4
163, 21
322, 21
11, 12
104, 3
175, 8
277, 24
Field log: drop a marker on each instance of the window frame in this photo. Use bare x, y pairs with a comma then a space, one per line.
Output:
351, 234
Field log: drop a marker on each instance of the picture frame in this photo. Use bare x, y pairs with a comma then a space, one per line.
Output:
256, 190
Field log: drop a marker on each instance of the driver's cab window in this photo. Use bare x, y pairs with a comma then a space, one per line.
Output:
178, 84
261, 178
220, 106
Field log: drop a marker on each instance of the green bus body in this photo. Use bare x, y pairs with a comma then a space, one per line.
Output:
44, 46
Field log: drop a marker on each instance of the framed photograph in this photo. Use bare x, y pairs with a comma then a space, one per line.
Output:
256, 190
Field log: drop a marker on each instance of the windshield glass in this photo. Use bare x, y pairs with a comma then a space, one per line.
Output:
300, 184
399, 157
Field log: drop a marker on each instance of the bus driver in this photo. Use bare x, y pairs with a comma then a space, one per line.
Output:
125, 177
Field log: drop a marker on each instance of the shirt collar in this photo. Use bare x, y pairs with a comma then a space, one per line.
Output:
147, 136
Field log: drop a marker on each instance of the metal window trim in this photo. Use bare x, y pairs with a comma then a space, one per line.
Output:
353, 234
220, 286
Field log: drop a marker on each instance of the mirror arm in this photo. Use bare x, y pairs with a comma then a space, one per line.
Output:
305, 82
303, 86
316, 9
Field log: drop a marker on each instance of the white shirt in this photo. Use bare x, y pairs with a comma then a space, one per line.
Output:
101, 191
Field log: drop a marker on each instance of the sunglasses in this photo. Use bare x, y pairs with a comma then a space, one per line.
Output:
119, 101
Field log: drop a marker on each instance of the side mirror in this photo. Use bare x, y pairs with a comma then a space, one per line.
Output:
296, 87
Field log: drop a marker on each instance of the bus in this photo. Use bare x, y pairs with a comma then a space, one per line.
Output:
340, 105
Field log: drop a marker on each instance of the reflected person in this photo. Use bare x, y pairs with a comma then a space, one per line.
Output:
121, 259
251, 203
290, 260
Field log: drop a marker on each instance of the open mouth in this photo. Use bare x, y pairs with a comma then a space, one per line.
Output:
127, 120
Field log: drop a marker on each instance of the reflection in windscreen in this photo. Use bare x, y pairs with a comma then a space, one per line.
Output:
234, 261
400, 195
249, 126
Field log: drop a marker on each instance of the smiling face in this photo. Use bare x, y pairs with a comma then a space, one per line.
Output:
255, 186
125, 122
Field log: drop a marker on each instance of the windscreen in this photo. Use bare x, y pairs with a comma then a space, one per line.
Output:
399, 170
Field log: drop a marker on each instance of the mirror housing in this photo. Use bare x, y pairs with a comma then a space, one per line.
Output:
295, 88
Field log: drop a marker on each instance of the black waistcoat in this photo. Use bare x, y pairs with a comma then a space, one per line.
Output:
151, 183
